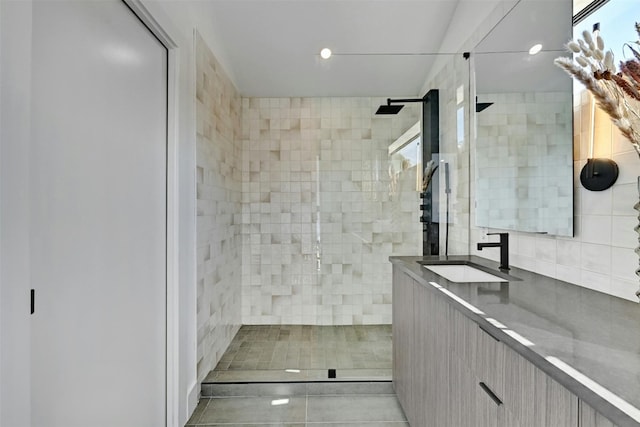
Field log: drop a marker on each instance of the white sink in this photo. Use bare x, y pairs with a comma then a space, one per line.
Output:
463, 273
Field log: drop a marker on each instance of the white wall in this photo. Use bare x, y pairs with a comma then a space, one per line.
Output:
15, 96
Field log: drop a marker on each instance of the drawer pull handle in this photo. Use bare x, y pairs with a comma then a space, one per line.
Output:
491, 394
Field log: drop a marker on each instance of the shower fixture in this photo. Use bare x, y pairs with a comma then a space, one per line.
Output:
481, 106
395, 109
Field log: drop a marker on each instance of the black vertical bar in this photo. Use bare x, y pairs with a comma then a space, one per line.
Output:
430, 149
33, 301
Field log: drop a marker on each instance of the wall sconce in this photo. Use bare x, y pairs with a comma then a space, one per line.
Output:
597, 174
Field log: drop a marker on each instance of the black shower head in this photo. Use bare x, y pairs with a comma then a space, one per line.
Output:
389, 109
395, 109
481, 106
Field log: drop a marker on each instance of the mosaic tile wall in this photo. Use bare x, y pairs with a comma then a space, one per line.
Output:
319, 219
521, 156
219, 186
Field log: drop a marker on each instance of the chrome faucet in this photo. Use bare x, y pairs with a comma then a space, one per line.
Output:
503, 244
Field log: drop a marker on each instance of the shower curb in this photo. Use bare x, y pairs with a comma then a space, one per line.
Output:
298, 388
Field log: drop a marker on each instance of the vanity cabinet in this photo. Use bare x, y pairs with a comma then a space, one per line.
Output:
402, 332
447, 371
589, 417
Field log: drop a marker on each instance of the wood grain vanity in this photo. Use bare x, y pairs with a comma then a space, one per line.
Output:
453, 367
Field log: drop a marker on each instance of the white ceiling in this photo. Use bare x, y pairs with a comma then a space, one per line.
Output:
270, 48
502, 61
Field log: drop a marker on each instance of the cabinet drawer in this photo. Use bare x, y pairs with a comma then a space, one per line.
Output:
590, 418
532, 398
489, 361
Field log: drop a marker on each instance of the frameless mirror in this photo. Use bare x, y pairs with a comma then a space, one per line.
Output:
524, 130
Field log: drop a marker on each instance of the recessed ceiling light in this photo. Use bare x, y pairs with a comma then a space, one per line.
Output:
325, 53
535, 49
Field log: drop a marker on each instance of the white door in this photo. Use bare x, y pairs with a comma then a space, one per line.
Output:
98, 217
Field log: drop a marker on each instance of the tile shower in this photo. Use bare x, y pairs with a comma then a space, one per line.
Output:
319, 219
218, 186
296, 214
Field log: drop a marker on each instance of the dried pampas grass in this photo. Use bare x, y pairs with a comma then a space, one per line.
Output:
616, 92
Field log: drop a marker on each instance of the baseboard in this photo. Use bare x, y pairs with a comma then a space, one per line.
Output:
192, 398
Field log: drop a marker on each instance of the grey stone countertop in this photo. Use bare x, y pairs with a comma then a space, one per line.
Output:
586, 340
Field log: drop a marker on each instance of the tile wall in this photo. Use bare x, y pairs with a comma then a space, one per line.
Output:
319, 219
219, 186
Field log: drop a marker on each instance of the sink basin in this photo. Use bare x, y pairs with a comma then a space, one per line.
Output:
463, 273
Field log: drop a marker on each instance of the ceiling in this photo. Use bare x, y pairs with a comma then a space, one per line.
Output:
270, 48
502, 60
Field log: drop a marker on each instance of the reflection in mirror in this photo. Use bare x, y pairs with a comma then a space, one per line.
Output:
405, 161
524, 147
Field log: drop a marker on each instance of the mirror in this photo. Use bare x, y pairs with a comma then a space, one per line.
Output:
524, 122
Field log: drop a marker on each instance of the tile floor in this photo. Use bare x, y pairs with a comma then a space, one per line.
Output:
300, 353
353, 410
278, 376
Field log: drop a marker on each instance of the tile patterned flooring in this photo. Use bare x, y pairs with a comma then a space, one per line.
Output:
353, 410
268, 365
265, 353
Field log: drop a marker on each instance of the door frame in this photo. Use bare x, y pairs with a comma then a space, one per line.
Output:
172, 370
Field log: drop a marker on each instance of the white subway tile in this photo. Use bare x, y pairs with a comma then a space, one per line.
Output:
596, 202
568, 274
569, 253
624, 263
625, 289
622, 231
628, 167
624, 197
596, 281
596, 258
596, 229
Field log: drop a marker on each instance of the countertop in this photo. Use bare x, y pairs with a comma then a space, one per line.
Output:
586, 340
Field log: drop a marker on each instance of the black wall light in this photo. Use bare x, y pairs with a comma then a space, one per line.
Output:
597, 174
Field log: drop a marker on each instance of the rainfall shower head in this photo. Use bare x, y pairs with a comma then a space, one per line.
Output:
389, 109
395, 109
481, 106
